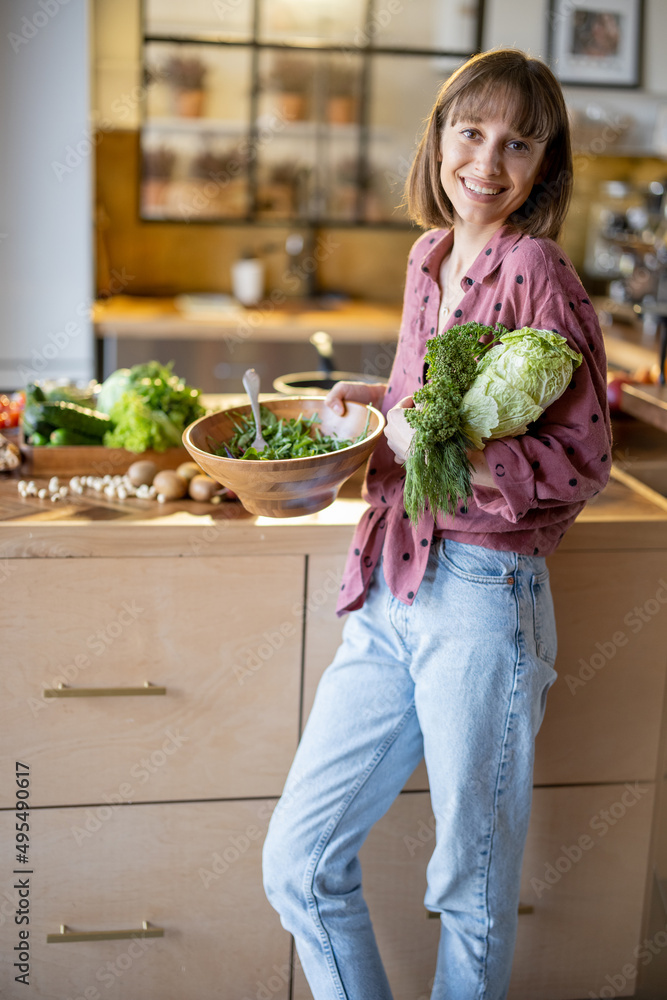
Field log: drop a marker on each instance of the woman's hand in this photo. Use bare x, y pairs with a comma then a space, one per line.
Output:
356, 392
398, 431
481, 475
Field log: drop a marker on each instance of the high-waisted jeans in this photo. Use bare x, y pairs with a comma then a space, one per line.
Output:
461, 678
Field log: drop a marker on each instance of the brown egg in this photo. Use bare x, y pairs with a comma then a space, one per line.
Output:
142, 473
188, 470
170, 485
203, 488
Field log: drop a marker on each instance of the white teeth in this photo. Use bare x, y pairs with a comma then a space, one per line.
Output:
480, 190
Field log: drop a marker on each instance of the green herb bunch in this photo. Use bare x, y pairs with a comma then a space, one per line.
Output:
437, 467
297, 437
473, 395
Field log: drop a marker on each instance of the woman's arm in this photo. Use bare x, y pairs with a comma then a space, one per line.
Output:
564, 457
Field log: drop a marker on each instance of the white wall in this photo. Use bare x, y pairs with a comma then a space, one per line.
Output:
46, 257
524, 24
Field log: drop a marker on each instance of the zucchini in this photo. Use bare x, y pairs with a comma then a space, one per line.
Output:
77, 418
64, 436
34, 394
38, 440
33, 422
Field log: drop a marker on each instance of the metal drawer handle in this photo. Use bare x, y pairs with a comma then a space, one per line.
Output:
63, 691
145, 931
523, 908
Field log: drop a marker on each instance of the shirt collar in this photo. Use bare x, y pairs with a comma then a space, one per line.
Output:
486, 262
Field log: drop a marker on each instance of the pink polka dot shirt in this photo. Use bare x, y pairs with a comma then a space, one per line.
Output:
544, 477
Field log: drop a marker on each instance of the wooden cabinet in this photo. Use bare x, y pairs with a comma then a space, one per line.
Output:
603, 720
190, 869
597, 761
161, 800
220, 635
154, 807
567, 943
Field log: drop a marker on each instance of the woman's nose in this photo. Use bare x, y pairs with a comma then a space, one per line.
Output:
488, 158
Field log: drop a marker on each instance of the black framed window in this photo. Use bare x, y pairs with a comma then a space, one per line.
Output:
291, 112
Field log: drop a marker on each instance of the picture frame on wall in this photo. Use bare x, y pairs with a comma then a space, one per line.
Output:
596, 43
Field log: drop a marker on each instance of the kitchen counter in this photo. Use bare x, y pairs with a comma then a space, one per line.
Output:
625, 513
91, 525
224, 622
127, 316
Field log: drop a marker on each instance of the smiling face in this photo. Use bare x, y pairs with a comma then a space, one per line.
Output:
487, 169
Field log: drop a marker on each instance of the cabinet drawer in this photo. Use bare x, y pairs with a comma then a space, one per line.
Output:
587, 914
192, 869
585, 924
606, 728
604, 712
222, 635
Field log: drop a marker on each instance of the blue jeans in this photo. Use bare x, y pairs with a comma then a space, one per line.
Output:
461, 678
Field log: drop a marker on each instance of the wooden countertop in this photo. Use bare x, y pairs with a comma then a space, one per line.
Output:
92, 525
133, 317
139, 317
622, 516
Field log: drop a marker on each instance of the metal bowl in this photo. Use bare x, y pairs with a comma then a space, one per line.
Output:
317, 383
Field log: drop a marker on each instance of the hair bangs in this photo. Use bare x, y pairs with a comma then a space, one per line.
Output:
525, 92
523, 108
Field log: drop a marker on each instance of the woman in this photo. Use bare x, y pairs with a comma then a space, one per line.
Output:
450, 646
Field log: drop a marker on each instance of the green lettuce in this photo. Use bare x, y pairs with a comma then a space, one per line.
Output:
153, 409
515, 382
475, 392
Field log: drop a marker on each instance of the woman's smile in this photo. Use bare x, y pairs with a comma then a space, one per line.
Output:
487, 169
481, 188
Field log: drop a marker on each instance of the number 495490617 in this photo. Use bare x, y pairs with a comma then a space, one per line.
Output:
22, 806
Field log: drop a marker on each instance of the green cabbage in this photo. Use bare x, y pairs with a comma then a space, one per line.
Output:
112, 389
515, 382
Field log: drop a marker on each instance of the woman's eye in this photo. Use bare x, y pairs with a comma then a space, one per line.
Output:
518, 144
469, 133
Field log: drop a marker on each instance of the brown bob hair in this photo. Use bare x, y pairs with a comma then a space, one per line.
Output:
533, 102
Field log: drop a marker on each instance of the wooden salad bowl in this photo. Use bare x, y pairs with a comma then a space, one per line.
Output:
288, 487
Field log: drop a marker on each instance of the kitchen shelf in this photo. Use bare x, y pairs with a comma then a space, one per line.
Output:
175, 123
321, 165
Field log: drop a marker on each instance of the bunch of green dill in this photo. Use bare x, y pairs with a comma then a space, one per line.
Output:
437, 467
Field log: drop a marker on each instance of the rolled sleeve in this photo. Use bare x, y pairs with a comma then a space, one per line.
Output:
515, 481
565, 456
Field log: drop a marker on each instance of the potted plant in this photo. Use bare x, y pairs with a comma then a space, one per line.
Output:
290, 79
342, 88
157, 167
186, 76
218, 180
